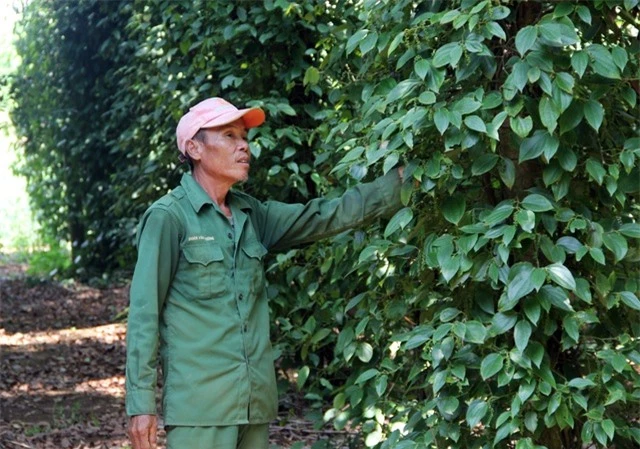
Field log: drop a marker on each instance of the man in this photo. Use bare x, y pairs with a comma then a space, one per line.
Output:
198, 292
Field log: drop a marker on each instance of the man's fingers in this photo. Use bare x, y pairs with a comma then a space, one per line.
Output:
153, 437
143, 431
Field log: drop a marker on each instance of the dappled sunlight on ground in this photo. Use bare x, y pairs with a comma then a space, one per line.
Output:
62, 362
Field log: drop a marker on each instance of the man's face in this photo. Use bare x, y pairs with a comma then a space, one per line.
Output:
224, 153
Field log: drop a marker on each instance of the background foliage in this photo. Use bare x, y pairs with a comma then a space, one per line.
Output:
499, 308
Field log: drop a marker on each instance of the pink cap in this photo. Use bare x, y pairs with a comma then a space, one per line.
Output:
214, 112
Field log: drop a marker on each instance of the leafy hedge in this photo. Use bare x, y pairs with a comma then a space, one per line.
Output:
500, 307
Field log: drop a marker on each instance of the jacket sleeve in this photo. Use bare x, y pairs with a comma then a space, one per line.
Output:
158, 252
285, 225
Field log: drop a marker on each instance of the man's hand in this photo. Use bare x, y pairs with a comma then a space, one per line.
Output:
143, 431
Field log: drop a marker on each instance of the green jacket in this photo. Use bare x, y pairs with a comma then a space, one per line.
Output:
198, 297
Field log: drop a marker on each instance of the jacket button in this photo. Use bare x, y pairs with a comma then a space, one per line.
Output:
240, 296
229, 235
245, 328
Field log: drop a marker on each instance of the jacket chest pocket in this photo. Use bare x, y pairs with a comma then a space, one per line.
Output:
204, 274
253, 255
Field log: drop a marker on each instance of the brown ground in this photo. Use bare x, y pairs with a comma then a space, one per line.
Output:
61, 369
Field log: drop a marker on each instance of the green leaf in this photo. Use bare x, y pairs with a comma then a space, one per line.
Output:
602, 62
402, 90
399, 221
521, 126
449, 16
320, 335
184, 46
616, 244
526, 219
521, 335
526, 38
381, 385
557, 34
628, 159
449, 267
496, 30
597, 255
520, 75
311, 76
620, 57
448, 54
507, 172
526, 390
561, 276
594, 113
596, 170
475, 123
609, 428
427, 97
538, 277
584, 13
365, 376
565, 82
630, 230
476, 411
395, 42
536, 203
448, 405
502, 322
549, 113
441, 119
484, 163
568, 159
571, 117
453, 208
531, 421
535, 351
630, 299
467, 105
439, 380
532, 309
355, 39
579, 62
449, 314
552, 174
630, 4
499, 213
534, 146
422, 67
368, 43
582, 290
581, 383
364, 351
303, 375
390, 162
475, 332
491, 365
570, 327
521, 284
571, 245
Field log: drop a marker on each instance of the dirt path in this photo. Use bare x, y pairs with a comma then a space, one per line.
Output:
62, 369
62, 361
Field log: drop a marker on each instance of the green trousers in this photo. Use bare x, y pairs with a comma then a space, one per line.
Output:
219, 437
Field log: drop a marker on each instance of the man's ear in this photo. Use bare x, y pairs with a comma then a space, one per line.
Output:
194, 149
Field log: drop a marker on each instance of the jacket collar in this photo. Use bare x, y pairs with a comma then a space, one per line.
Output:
198, 197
